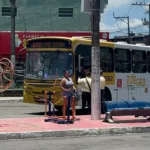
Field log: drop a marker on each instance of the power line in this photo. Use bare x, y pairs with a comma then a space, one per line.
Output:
129, 10
144, 4
123, 29
119, 27
134, 11
124, 17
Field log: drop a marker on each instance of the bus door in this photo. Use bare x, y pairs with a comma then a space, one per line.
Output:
132, 93
82, 64
82, 60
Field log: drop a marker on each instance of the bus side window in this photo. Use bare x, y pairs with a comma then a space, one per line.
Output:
106, 59
148, 61
138, 61
122, 60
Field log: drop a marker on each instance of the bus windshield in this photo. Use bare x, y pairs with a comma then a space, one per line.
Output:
48, 65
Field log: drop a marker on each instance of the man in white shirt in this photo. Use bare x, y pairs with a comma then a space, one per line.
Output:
102, 87
86, 90
102, 80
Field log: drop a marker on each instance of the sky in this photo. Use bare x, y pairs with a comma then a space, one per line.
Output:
123, 8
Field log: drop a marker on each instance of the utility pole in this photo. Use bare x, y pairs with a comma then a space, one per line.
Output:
95, 55
143, 4
13, 47
125, 17
13, 5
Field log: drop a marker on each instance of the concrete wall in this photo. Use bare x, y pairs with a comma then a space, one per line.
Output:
42, 15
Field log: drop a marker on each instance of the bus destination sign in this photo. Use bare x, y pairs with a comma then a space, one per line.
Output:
49, 43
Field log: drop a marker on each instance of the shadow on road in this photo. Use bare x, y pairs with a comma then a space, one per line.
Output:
58, 113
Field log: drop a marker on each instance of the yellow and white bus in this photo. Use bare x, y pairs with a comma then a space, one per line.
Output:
126, 68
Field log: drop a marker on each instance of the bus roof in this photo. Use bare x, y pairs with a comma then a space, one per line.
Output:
131, 46
80, 38
49, 37
88, 39
77, 40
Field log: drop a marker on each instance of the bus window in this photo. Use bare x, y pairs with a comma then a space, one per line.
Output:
138, 61
82, 59
148, 61
106, 58
122, 60
48, 65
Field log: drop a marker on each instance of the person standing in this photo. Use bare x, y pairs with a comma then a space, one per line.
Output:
86, 90
102, 87
67, 87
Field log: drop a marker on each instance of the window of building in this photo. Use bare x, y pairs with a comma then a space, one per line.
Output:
138, 61
122, 60
148, 61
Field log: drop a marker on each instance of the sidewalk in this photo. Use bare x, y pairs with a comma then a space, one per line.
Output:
21, 128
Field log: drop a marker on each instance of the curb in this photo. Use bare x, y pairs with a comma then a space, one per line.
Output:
73, 133
11, 99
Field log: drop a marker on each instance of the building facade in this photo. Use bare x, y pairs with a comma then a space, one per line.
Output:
43, 15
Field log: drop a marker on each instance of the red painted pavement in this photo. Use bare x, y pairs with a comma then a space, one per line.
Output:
85, 122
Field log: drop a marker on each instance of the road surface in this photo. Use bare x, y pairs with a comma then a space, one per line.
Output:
20, 110
114, 142
23, 110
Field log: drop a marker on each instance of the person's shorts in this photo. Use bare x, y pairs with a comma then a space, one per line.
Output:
67, 94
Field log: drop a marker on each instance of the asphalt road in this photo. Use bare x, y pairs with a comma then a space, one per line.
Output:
23, 110
115, 142
20, 110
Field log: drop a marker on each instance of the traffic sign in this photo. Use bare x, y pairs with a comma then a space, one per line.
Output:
86, 6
